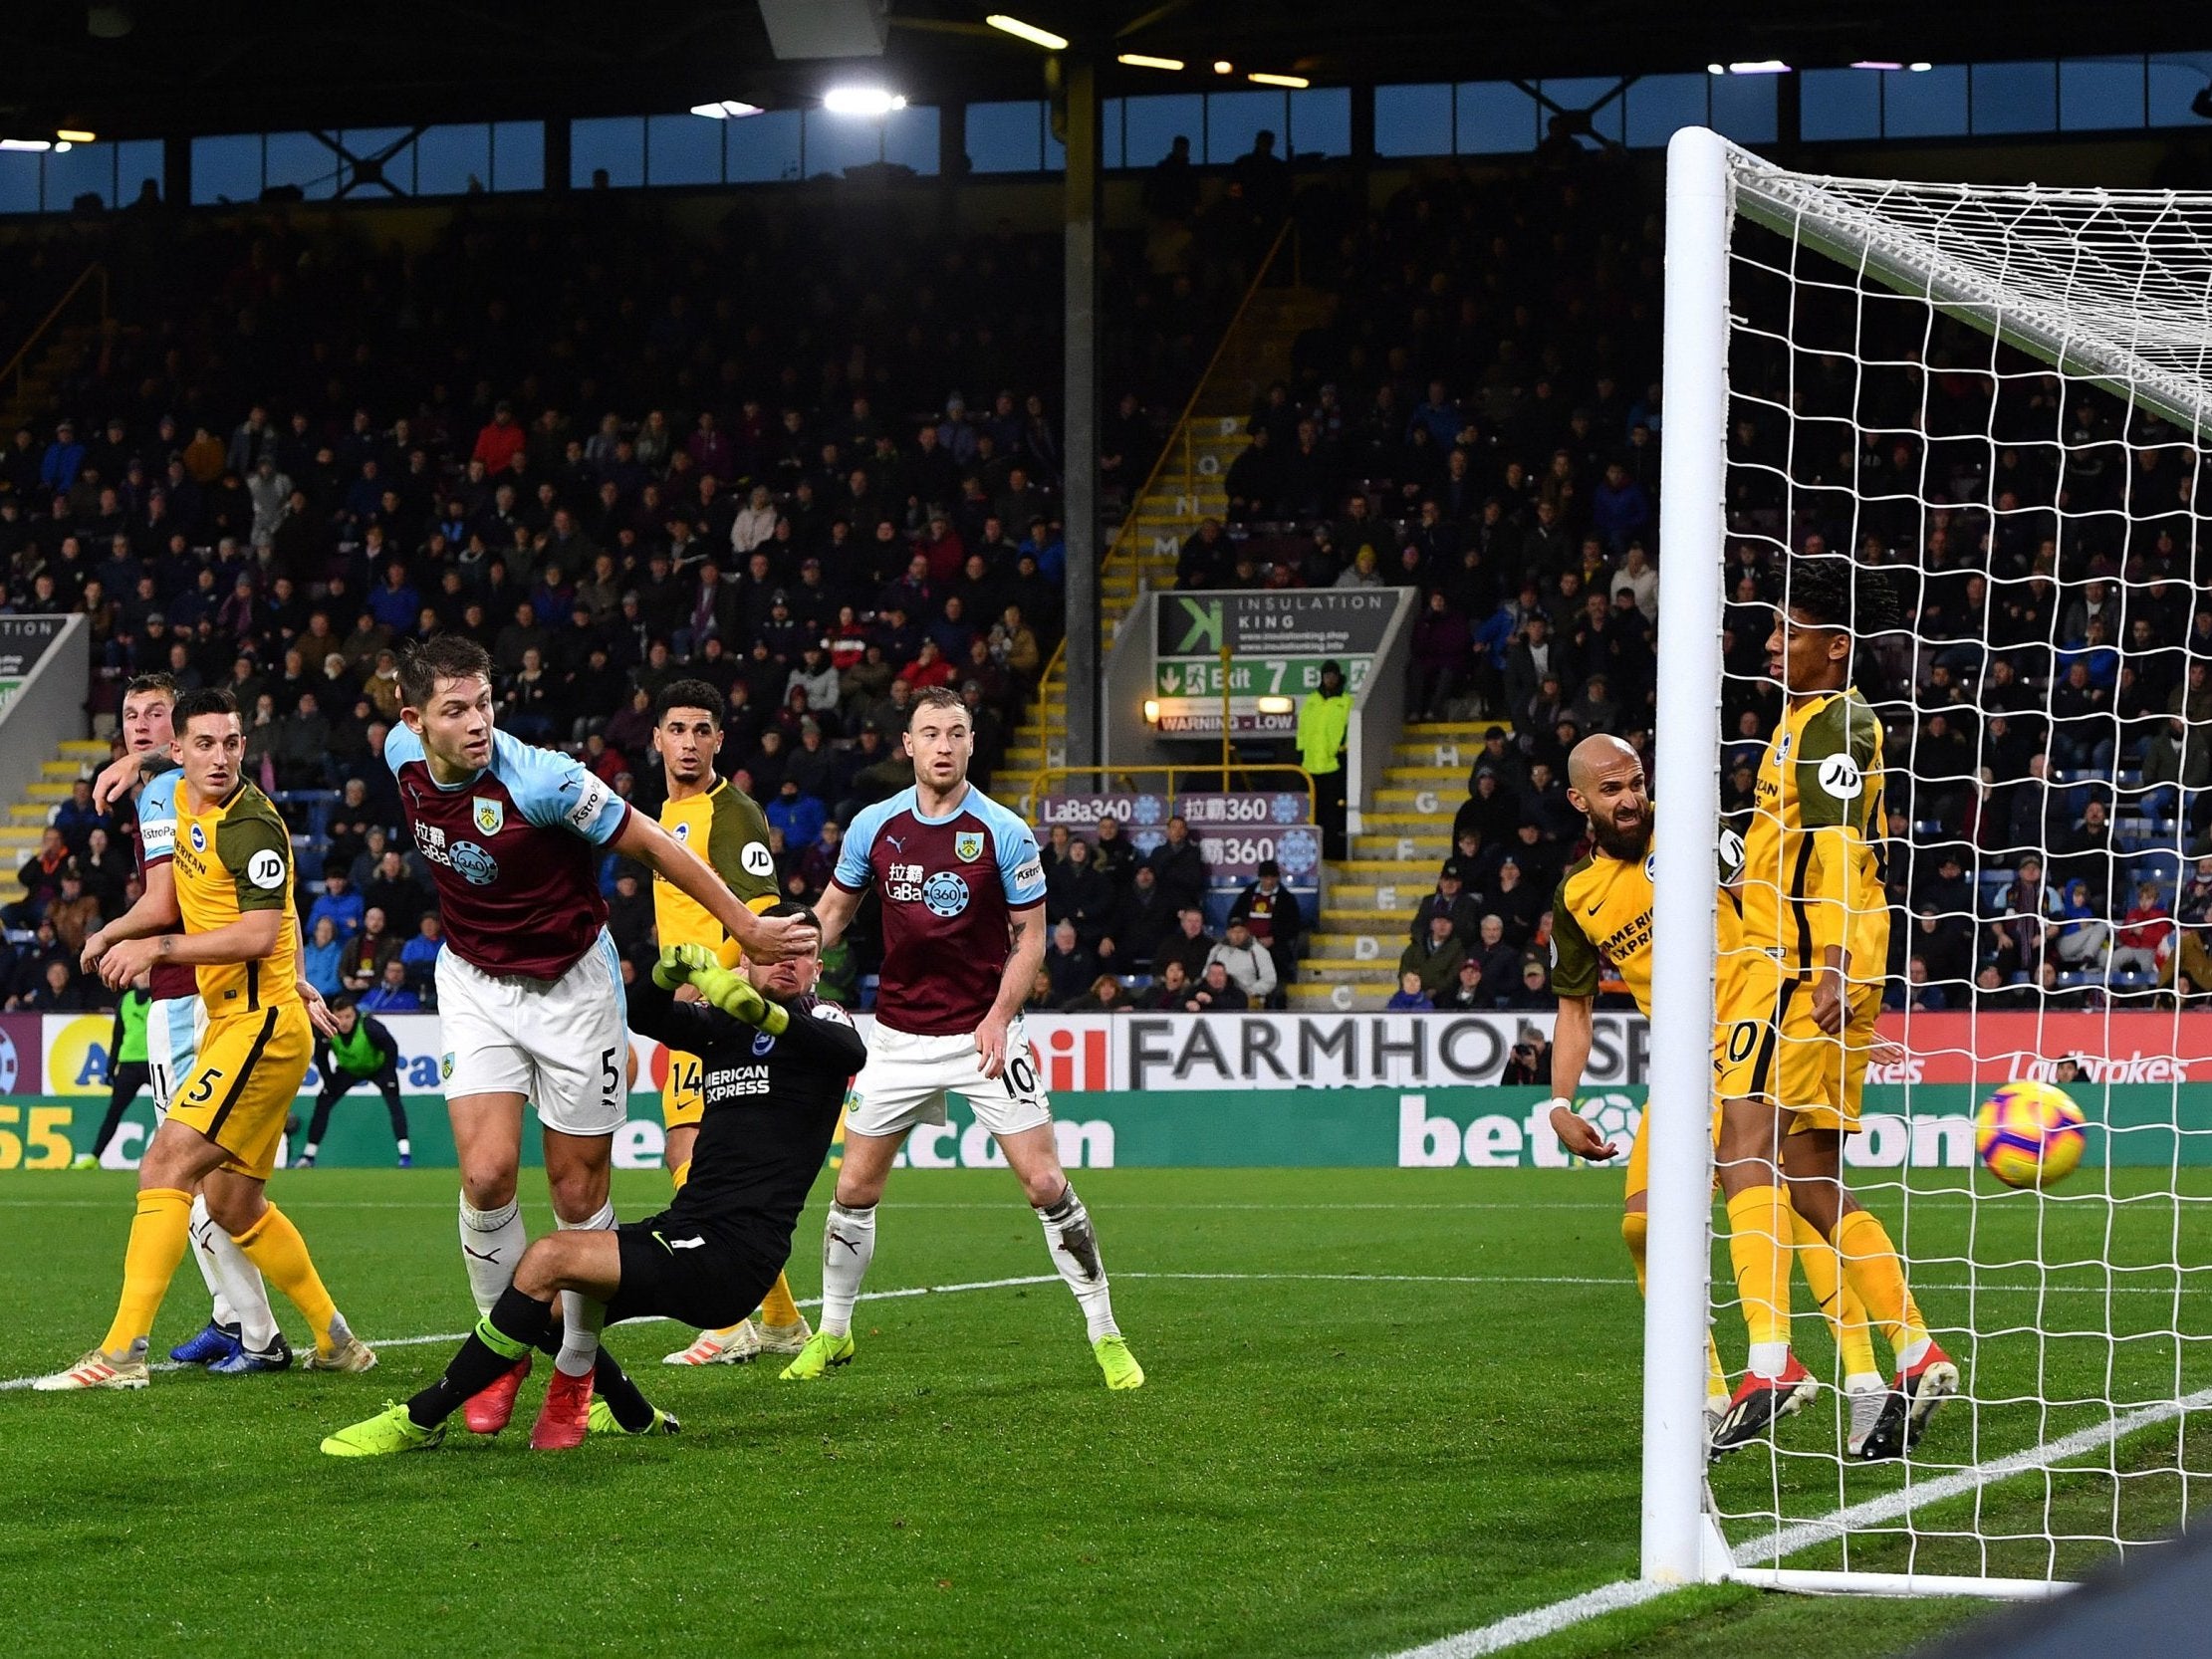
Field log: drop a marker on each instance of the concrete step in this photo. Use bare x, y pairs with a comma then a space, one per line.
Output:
29, 814
1349, 919
1448, 730
63, 771
1426, 774
1361, 871
1364, 948
1321, 998
1431, 801
1445, 755
1351, 971
1407, 824
84, 749
1421, 853
54, 792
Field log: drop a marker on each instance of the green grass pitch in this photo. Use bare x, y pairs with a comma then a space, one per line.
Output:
1317, 1466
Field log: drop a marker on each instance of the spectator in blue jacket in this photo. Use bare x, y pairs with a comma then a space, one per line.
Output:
799, 816
345, 908
63, 460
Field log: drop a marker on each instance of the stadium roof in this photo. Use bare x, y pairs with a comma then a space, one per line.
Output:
160, 67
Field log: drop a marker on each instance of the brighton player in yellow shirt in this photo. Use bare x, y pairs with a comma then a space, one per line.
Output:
232, 884
1601, 913
725, 827
1794, 1026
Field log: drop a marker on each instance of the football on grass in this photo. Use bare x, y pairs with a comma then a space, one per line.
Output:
2030, 1135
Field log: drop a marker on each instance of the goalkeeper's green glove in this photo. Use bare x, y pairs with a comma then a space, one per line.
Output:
683, 965
732, 993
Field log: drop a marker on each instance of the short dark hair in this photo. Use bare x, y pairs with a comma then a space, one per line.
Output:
343, 1001
208, 700
442, 656
934, 697
140, 683
793, 907
688, 694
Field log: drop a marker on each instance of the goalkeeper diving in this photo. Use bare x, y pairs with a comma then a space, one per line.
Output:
775, 1064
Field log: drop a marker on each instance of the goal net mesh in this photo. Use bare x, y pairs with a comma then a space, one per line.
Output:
1994, 401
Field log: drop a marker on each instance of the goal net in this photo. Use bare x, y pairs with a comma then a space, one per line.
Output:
1990, 402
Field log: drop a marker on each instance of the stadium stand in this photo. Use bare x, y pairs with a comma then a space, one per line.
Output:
297, 449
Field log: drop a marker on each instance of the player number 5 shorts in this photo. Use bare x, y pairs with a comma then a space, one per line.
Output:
241, 1087
562, 1044
906, 1078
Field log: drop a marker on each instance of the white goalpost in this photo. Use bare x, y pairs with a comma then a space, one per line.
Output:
1996, 394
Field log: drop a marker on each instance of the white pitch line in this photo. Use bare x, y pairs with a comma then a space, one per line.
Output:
1779, 1546
1542, 1622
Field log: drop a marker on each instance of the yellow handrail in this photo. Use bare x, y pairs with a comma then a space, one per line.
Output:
1181, 428
1108, 775
16, 363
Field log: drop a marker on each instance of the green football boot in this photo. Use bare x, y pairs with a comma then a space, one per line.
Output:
602, 1421
823, 1354
1120, 1366
391, 1430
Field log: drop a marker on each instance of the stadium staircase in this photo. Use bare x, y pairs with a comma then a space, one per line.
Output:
1368, 904
53, 351
1185, 486
27, 818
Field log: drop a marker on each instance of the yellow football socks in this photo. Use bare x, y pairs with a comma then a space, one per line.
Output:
1871, 1264
1847, 1315
1635, 1230
1758, 1246
159, 1234
274, 1245
777, 1308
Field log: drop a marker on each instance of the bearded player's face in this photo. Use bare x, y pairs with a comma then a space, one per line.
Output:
1618, 807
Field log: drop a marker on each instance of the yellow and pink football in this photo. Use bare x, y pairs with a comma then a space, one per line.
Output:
2030, 1135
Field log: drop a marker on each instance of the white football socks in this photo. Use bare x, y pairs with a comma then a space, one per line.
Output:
492, 1243
234, 1283
1074, 1251
848, 1245
581, 1316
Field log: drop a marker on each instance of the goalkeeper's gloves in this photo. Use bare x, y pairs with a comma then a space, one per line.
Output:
681, 965
724, 987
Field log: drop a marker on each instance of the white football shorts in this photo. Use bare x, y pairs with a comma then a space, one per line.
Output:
174, 1027
906, 1078
562, 1044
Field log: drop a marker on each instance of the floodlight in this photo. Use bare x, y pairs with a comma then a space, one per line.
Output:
862, 101
1027, 31
1139, 60
1294, 81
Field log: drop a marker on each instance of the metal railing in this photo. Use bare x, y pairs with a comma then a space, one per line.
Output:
1126, 532
20, 362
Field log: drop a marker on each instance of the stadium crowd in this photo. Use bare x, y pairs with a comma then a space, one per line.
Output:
617, 460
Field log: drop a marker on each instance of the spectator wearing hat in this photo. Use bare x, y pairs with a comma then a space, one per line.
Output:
1452, 901
1324, 729
1435, 955
1276, 919
1248, 966
1180, 867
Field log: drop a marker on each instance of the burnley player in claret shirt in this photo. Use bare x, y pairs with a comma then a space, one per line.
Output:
963, 896
530, 989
